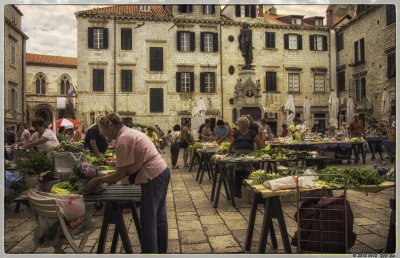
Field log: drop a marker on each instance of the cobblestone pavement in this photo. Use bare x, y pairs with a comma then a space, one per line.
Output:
196, 227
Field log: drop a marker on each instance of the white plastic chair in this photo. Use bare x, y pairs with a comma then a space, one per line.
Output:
49, 209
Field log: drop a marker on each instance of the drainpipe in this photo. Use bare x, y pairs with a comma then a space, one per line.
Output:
115, 64
332, 56
220, 57
23, 80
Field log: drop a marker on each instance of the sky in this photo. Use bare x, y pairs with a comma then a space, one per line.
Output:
54, 31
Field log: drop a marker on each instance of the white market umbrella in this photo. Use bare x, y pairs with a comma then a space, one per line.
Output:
290, 109
68, 123
198, 114
349, 110
333, 109
307, 112
385, 108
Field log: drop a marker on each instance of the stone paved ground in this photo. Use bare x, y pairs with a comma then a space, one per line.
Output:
196, 227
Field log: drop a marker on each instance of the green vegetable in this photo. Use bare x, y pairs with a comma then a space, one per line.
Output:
354, 176
260, 176
37, 163
67, 188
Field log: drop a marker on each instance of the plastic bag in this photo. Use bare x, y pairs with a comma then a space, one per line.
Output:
72, 206
307, 181
288, 182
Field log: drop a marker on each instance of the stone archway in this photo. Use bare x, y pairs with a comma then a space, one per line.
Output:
44, 111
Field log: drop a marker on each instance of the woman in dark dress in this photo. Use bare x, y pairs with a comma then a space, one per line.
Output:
243, 143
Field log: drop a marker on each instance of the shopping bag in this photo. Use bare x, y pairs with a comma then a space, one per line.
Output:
72, 206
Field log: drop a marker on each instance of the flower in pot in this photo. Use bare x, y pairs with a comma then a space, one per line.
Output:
31, 167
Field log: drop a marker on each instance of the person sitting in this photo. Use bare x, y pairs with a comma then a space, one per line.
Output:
206, 133
221, 131
43, 138
285, 131
62, 136
332, 133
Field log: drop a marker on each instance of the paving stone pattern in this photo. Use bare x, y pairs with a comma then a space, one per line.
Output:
196, 227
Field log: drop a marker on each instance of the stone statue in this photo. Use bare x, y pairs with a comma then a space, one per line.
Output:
246, 45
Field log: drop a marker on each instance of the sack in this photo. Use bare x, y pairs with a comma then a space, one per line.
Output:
71, 206
324, 221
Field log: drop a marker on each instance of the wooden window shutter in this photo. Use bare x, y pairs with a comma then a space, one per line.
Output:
356, 52
213, 9
237, 10
312, 42
215, 42
156, 100
202, 82
362, 50
286, 41
363, 88
190, 8
273, 81
191, 82
299, 42
202, 41
126, 80
247, 11
253, 11
180, 8
272, 39
325, 43
90, 37
126, 39
204, 9
105, 38
156, 59
98, 80
178, 82
178, 40
214, 82
192, 41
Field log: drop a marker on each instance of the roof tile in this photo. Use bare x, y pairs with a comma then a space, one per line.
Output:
51, 60
129, 9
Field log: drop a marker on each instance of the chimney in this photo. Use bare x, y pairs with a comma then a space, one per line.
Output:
260, 11
329, 17
272, 11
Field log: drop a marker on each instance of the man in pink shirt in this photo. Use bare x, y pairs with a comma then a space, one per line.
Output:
138, 158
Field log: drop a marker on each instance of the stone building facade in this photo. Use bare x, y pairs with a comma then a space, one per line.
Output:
14, 67
366, 60
161, 27
49, 78
301, 71
155, 66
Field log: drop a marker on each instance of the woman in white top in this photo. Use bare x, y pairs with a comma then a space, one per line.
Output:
25, 135
43, 138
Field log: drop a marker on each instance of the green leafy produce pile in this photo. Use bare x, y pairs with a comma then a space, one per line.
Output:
198, 145
281, 153
109, 154
357, 140
225, 145
37, 163
96, 161
259, 176
355, 176
71, 146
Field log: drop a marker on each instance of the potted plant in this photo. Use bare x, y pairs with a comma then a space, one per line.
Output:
31, 167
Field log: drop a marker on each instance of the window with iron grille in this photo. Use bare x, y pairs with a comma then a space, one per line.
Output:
293, 82
319, 82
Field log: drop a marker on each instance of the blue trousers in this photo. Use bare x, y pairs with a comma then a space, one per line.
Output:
153, 214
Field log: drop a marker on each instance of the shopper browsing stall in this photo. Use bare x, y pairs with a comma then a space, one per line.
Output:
43, 138
138, 158
95, 141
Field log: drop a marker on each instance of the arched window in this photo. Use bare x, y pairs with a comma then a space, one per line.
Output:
64, 84
40, 84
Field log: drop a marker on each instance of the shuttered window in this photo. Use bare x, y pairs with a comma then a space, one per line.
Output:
245, 11
207, 82
359, 52
185, 41
390, 14
126, 39
361, 93
98, 80
319, 82
156, 100
209, 9
126, 80
270, 81
292, 41
270, 39
293, 82
341, 81
185, 8
208, 42
156, 59
318, 43
184, 82
391, 65
97, 38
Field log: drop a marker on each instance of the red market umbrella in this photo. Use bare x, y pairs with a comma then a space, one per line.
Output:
66, 122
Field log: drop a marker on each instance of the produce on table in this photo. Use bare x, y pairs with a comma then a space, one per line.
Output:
260, 176
67, 188
225, 145
105, 170
37, 163
96, 161
355, 176
109, 154
66, 146
357, 140
198, 145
